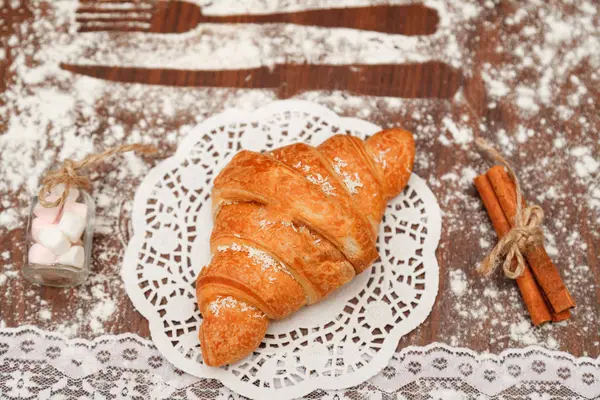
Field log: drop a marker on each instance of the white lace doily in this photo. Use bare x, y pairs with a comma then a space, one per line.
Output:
45, 365
338, 343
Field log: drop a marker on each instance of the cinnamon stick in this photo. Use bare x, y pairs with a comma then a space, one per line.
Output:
544, 270
532, 296
561, 316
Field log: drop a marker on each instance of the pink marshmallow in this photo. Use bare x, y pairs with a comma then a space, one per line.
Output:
71, 225
77, 208
49, 214
36, 226
38, 254
75, 257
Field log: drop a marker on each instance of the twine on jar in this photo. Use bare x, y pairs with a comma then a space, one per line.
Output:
526, 233
70, 173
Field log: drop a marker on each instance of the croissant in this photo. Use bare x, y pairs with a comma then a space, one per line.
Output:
290, 227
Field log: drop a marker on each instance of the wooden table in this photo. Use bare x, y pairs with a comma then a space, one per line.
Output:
455, 317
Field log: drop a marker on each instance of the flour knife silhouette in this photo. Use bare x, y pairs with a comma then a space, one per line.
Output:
419, 80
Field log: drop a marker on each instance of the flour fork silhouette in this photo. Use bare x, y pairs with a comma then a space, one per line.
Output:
176, 16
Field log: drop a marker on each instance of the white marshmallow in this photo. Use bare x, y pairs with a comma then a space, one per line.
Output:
78, 208
38, 254
52, 238
36, 227
71, 225
49, 214
60, 188
74, 257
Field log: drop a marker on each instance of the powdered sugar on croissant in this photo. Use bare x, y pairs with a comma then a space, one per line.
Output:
291, 226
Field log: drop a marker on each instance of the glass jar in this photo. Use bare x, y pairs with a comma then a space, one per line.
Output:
59, 240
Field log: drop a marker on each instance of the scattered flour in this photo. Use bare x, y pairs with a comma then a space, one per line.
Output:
351, 182
45, 314
266, 262
324, 183
101, 313
525, 334
220, 303
10, 219
586, 165
460, 134
458, 282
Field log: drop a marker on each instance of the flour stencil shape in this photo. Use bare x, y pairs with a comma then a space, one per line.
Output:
244, 46
340, 342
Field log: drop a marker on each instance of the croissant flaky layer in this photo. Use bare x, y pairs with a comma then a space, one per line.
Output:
290, 227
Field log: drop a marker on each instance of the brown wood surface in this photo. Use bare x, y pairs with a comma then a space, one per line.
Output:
431, 80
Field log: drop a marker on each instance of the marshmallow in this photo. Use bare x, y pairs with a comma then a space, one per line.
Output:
74, 257
49, 214
60, 188
52, 238
71, 225
36, 227
38, 254
77, 208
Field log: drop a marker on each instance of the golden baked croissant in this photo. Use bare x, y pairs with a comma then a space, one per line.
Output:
291, 226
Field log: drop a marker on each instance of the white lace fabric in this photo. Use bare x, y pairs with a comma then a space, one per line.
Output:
45, 365
345, 339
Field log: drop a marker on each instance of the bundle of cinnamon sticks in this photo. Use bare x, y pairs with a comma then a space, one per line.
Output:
544, 293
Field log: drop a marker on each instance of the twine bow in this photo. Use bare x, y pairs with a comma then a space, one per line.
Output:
526, 232
70, 173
